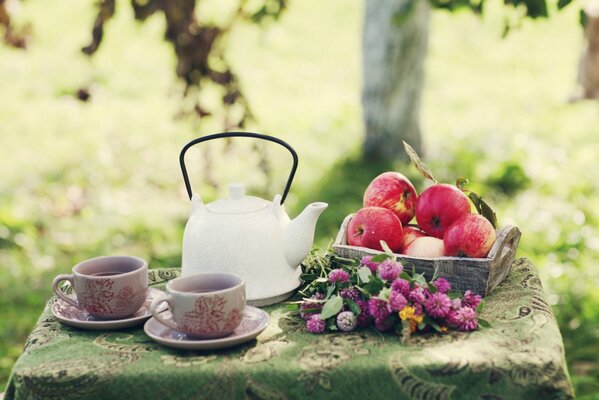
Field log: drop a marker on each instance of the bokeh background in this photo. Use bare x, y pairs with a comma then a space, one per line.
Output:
85, 178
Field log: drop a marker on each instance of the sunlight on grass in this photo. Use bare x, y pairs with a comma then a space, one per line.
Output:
86, 178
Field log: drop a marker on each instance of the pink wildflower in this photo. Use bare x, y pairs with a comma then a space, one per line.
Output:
471, 300
347, 321
315, 324
465, 319
372, 266
456, 303
364, 318
389, 270
417, 295
397, 301
350, 293
308, 308
402, 286
379, 308
442, 285
338, 275
438, 305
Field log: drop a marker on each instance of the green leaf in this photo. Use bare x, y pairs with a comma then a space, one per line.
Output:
484, 323
353, 306
380, 257
435, 274
419, 278
374, 286
330, 290
461, 182
292, 306
454, 295
431, 322
480, 307
483, 208
386, 248
417, 162
321, 280
364, 274
421, 325
432, 288
406, 276
563, 3
331, 307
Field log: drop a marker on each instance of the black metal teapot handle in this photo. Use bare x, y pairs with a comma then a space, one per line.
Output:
238, 134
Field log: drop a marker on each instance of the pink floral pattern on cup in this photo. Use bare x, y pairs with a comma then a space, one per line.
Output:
99, 298
209, 318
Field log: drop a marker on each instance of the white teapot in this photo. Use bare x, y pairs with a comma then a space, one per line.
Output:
249, 236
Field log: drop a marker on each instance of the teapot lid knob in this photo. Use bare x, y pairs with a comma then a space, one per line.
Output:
236, 191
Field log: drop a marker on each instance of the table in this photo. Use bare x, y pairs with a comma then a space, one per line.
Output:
520, 357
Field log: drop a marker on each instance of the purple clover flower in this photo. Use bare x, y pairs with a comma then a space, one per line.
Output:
465, 319
364, 318
417, 295
397, 301
379, 308
442, 285
338, 275
309, 308
471, 300
389, 270
438, 305
315, 324
402, 286
350, 293
418, 309
456, 303
347, 321
367, 262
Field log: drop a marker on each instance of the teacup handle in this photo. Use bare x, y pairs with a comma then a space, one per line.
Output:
60, 293
159, 317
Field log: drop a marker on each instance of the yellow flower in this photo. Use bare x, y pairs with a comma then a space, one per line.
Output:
418, 318
407, 313
444, 329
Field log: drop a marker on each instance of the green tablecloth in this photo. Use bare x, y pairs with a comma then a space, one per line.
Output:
520, 357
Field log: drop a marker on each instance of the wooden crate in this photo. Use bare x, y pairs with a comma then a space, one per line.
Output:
480, 275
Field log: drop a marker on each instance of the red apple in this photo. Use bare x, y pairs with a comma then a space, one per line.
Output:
370, 225
393, 191
439, 206
470, 236
410, 233
425, 246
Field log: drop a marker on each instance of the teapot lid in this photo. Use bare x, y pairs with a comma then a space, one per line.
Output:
237, 202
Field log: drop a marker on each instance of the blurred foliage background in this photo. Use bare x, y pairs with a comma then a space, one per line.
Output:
85, 178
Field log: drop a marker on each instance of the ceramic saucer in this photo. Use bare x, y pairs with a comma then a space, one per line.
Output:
253, 323
70, 315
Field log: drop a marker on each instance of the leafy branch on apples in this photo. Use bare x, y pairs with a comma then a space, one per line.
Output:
481, 206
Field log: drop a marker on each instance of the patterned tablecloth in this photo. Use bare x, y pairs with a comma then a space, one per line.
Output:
520, 357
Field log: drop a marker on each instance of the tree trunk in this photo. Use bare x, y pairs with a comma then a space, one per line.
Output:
394, 45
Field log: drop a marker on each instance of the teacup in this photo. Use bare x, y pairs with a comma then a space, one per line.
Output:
108, 287
205, 305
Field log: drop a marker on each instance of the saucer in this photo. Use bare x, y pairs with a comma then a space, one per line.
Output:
70, 315
253, 323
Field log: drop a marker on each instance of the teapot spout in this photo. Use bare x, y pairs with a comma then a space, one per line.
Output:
299, 233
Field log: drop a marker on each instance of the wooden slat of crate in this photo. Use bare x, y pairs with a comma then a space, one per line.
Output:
480, 275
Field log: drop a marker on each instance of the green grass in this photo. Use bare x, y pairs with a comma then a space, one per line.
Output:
82, 179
